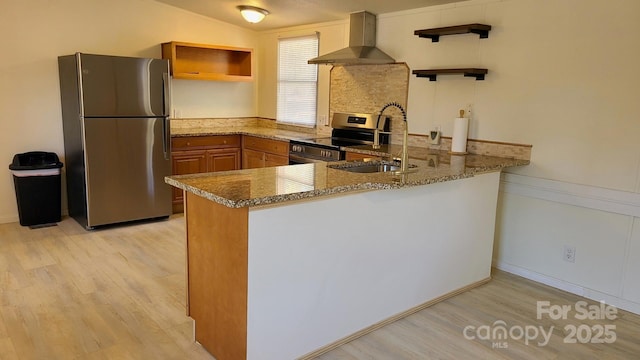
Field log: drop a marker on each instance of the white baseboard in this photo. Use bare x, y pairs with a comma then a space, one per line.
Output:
569, 287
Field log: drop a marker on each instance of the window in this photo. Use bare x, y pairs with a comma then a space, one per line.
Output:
297, 80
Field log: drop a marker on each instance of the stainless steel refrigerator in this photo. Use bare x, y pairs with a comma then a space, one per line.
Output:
115, 113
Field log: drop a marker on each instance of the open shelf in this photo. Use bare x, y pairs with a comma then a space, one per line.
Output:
469, 72
435, 33
208, 62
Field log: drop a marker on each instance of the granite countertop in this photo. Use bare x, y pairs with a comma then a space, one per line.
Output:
255, 187
269, 133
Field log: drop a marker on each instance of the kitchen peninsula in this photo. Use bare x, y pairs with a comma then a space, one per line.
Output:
284, 262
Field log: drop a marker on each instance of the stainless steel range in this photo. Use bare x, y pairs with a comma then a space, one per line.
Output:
349, 129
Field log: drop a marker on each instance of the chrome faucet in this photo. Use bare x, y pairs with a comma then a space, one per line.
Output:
404, 160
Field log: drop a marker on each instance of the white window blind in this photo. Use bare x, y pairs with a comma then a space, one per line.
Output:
297, 80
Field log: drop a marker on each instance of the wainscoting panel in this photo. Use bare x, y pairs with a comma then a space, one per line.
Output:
537, 218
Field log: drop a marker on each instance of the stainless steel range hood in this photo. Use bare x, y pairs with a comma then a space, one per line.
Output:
362, 44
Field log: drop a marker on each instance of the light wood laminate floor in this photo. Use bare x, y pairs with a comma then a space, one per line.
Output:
118, 293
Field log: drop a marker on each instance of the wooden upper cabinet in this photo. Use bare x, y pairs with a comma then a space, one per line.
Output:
208, 62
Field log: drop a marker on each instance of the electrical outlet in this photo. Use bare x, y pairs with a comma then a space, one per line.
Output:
434, 137
468, 110
323, 120
569, 254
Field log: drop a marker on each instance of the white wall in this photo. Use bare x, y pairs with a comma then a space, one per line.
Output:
563, 76
538, 217
36, 32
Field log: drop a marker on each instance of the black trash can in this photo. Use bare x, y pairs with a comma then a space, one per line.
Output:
36, 176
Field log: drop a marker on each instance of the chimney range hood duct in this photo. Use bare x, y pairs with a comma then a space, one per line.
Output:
362, 44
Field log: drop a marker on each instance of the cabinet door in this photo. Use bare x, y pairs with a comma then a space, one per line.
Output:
275, 160
187, 162
252, 159
223, 160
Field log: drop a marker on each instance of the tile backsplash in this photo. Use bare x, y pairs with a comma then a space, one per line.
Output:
367, 88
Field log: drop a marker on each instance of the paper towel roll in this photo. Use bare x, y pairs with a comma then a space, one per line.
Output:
459, 138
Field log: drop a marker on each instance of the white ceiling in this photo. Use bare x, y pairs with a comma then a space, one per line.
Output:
285, 13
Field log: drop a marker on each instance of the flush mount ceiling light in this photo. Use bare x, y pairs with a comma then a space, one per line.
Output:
252, 14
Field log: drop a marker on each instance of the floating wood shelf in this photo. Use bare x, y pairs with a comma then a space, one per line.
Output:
435, 33
433, 73
208, 62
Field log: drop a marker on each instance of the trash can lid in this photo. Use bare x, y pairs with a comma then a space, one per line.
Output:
35, 160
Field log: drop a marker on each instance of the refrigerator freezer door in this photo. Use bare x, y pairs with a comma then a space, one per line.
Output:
120, 86
125, 170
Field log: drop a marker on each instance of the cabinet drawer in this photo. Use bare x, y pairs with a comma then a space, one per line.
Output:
205, 141
266, 145
275, 160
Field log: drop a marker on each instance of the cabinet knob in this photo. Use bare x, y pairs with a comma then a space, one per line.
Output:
188, 143
224, 141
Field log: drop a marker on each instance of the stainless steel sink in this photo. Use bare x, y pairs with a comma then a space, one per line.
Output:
370, 168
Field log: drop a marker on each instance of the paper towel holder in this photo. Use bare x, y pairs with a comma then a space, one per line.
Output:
465, 139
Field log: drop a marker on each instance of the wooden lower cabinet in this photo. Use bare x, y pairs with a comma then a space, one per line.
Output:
252, 159
223, 160
186, 162
260, 152
199, 154
275, 160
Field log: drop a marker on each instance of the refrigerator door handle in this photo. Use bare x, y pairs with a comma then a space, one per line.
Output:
166, 126
166, 138
166, 93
